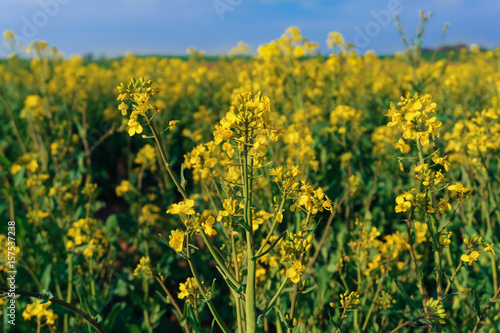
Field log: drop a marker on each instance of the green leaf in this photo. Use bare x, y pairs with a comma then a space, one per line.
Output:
213, 325
46, 278
229, 283
5, 162
164, 241
19, 177
83, 296
471, 231
135, 329
451, 295
183, 179
194, 319
45, 296
476, 305
284, 320
410, 302
270, 248
308, 290
111, 318
161, 297
211, 293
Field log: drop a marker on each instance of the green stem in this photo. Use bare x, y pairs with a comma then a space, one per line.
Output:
70, 289
203, 292
237, 298
218, 259
174, 303
164, 157
379, 288
433, 227
92, 283
251, 264
278, 293
294, 302
273, 227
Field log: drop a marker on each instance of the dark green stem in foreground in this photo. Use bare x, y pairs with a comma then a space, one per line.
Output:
68, 306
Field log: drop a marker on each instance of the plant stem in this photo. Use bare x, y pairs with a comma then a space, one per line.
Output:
164, 157
251, 264
174, 303
292, 309
203, 292
68, 306
485, 310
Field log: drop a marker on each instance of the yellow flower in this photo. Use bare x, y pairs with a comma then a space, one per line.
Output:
123, 108
134, 127
40, 311
460, 189
123, 188
444, 239
172, 124
294, 272
402, 146
334, 38
42, 214
444, 205
15, 168
402, 205
471, 258
349, 300
436, 310
208, 226
8, 35
184, 292
32, 166
442, 161
279, 217
489, 248
183, 207
176, 240
146, 156
144, 267
189, 288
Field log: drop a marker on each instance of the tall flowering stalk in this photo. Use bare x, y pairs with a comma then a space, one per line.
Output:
414, 116
241, 140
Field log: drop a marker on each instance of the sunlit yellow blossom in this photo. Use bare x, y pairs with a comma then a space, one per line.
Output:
15, 168
444, 205
176, 240
123, 188
489, 248
188, 289
444, 239
436, 310
40, 311
183, 207
144, 267
295, 271
402, 146
134, 127
172, 124
402, 205
123, 108
471, 258
207, 226
349, 300
443, 161
460, 189
32, 166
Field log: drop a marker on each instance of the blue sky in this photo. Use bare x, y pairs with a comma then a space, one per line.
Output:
113, 27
